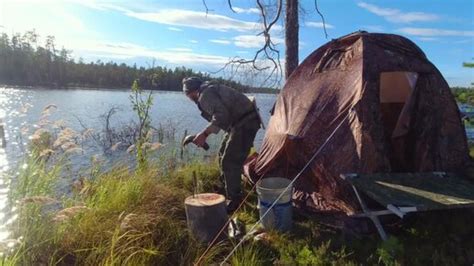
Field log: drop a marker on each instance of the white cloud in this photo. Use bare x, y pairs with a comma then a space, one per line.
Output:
253, 41
180, 49
396, 15
46, 18
301, 45
372, 28
193, 41
246, 11
174, 29
180, 17
432, 32
220, 41
195, 19
314, 24
464, 41
71, 20
427, 39
182, 56
127, 51
99, 5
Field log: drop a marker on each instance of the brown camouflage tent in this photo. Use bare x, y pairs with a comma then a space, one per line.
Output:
396, 110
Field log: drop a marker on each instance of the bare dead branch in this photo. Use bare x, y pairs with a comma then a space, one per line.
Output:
266, 58
205, 6
229, 2
322, 17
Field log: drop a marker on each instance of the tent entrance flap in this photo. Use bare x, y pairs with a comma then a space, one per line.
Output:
396, 90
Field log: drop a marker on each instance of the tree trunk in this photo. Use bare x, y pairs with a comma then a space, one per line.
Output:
291, 36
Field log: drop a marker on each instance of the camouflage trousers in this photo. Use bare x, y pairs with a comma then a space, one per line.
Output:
235, 148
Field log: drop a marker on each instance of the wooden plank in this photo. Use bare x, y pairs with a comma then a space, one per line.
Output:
426, 191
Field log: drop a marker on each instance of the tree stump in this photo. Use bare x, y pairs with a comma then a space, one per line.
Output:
206, 216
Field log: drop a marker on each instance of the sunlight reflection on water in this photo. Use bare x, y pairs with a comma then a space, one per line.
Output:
4, 189
7, 98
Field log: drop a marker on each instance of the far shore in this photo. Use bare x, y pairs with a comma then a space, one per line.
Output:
87, 87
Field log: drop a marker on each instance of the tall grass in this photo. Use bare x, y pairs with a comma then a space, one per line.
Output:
121, 217
127, 217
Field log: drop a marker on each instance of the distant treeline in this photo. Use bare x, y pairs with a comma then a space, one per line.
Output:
24, 61
464, 95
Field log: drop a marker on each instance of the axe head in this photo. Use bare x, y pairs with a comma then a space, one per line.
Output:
190, 138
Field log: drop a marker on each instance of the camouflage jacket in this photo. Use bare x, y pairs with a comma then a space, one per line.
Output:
224, 107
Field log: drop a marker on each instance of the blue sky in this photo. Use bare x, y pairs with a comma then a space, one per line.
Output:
179, 33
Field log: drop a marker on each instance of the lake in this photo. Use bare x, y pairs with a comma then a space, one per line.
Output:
21, 112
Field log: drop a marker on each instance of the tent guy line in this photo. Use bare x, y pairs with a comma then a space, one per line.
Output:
289, 185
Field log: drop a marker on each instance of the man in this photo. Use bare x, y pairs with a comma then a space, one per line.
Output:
229, 110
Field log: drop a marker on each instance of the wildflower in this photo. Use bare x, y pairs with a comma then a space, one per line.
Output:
68, 145
46, 152
115, 146
155, 146
44, 122
87, 133
134, 221
149, 134
65, 138
126, 223
78, 184
131, 148
74, 150
38, 200
38, 133
24, 130
23, 109
59, 123
68, 213
47, 110
96, 159
68, 133
8, 244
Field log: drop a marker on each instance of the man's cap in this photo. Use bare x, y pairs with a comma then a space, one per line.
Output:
191, 84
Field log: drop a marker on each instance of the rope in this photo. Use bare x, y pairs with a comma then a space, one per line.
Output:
283, 192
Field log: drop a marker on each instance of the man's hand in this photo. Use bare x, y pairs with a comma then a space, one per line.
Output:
200, 139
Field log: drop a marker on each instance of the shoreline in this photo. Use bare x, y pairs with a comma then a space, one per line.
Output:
98, 88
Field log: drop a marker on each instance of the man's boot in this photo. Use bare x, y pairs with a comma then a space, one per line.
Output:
233, 204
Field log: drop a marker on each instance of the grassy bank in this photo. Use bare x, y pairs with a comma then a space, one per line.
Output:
115, 217
121, 217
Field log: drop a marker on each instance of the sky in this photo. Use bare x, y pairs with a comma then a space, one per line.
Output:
181, 33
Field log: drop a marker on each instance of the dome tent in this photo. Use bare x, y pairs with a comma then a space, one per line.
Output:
396, 110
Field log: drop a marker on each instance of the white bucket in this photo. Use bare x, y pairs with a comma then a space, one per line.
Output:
280, 216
